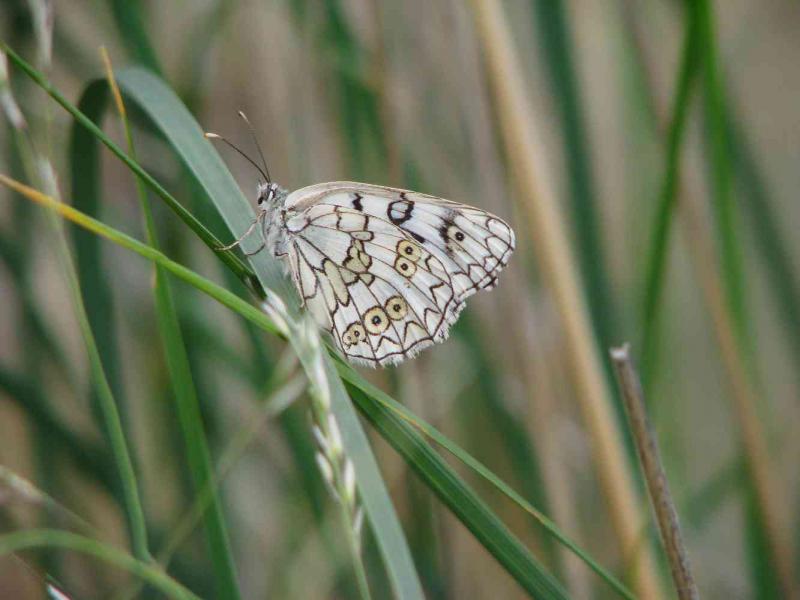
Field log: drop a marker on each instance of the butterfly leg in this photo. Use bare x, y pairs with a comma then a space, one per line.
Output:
255, 222
262, 231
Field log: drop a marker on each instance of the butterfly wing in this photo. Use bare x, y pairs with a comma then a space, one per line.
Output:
473, 245
386, 271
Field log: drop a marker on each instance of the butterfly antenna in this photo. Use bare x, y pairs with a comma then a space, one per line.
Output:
255, 141
214, 136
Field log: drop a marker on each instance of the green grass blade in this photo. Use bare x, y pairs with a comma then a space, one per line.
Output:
461, 499
655, 276
48, 538
385, 406
197, 452
202, 161
95, 286
111, 420
556, 43
519, 450
220, 294
231, 261
186, 400
727, 225
130, 25
768, 234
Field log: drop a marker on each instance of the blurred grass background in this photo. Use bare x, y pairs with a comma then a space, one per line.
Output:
669, 137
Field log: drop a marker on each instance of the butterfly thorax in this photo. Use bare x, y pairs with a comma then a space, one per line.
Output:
271, 199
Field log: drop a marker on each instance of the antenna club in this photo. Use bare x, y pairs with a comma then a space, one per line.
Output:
255, 141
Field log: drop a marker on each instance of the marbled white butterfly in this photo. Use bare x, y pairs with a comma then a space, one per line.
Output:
384, 270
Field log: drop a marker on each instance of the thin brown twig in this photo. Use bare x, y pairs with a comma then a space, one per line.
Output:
657, 484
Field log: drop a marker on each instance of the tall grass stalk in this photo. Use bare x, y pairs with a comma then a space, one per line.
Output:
40, 172
708, 274
189, 413
557, 48
769, 496
559, 268
41, 538
655, 276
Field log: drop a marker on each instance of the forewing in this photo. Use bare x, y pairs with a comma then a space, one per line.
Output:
472, 245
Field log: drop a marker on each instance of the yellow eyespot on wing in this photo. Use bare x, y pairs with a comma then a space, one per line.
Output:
396, 308
353, 335
409, 250
376, 321
405, 267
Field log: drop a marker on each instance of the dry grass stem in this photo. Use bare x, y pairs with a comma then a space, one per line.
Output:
657, 484
560, 271
743, 396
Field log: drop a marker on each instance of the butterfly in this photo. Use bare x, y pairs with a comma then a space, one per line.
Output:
385, 271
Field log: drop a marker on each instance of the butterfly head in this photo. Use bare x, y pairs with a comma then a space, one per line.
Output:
269, 194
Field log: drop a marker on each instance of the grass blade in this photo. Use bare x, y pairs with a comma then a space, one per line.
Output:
766, 501
655, 275
557, 48
720, 164
204, 234
203, 162
183, 386
755, 199
386, 405
462, 500
48, 538
130, 25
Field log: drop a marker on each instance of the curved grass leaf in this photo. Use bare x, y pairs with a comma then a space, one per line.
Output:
130, 25
461, 499
202, 161
189, 414
386, 407
233, 263
48, 538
